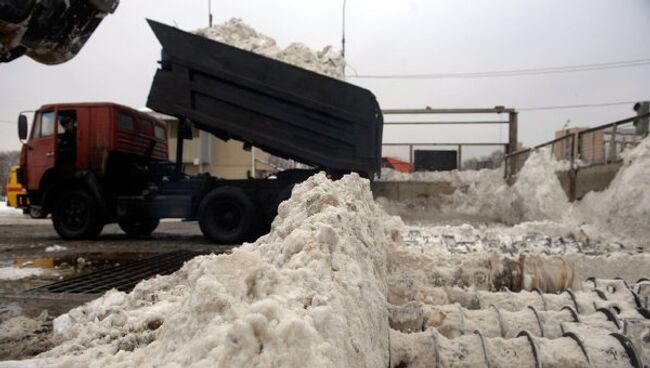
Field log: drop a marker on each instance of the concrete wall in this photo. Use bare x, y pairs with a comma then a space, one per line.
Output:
595, 178
410, 190
576, 183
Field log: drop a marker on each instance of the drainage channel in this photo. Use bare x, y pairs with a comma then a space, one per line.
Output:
61, 296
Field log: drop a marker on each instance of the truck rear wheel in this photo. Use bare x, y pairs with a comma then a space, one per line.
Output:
76, 215
227, 216
139, 227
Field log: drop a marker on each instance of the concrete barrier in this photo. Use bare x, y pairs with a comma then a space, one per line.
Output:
576, 184
410, 190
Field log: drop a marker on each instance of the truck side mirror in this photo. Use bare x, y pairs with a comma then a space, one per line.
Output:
22, 127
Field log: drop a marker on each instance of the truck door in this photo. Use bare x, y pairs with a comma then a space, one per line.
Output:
41, 148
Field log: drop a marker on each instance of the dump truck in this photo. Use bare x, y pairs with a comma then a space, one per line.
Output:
90, 164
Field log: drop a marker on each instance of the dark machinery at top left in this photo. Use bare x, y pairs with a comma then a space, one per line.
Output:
49, 31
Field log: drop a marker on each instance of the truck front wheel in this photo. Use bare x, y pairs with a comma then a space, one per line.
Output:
227, 216
76, 215
139, 227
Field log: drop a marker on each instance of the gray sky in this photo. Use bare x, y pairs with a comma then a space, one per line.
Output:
384, 37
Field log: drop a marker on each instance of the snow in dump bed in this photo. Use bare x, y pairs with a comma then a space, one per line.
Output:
311, 293
235, 32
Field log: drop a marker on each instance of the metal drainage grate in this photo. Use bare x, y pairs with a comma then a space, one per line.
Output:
123, 278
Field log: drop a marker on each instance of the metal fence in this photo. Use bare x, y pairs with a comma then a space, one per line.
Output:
595, 146
463, 149
463, 152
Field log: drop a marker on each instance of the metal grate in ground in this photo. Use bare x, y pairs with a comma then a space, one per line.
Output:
123, 277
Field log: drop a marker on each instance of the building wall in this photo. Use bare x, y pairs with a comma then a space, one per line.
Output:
592, 145
205, 153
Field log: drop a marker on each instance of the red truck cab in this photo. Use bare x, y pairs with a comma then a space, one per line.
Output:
86, 147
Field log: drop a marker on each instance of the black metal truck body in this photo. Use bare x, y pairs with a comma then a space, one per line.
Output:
285, 110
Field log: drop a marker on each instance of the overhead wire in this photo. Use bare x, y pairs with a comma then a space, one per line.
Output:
514, 72
577, 106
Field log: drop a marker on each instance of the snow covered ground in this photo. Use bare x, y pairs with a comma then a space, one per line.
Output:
6, 211
316, 290
336, 276
16, 273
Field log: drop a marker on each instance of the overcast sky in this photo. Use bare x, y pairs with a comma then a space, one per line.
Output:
384, 37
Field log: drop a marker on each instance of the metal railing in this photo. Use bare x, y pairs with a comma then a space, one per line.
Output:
460, 147
595, 146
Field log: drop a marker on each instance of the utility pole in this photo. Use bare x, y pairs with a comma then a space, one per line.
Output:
343, 38
210, 13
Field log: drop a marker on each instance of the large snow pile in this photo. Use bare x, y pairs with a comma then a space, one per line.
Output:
618, 214
235, 32
537, 194
624, 207
311, 293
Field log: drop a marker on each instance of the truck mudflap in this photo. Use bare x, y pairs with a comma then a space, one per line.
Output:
49, 31
287, 111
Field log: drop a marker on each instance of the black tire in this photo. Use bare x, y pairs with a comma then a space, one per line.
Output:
227, 216
36, 213
76, 215
142, 227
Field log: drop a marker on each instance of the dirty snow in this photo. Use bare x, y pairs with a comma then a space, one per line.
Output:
55, 248
16, 273
617, 215
235, 32
6, 211
315, 291
310, 293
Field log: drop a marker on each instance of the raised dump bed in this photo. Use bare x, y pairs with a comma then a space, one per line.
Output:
285, 110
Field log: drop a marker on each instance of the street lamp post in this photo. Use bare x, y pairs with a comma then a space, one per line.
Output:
210, 13
343, 38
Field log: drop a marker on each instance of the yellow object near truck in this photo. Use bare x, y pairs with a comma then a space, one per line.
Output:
16, 193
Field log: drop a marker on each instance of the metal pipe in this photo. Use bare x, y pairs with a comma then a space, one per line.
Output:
180, 137
428, 110
444, 144
444, 122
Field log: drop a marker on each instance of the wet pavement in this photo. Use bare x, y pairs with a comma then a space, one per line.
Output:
29, 245
33, 244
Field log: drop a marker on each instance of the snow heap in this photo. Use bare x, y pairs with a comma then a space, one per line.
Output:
537, 195
310, 293
537, 200
624, 207
235, 32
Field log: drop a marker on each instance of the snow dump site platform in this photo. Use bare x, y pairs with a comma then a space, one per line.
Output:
487, 275
339, 282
